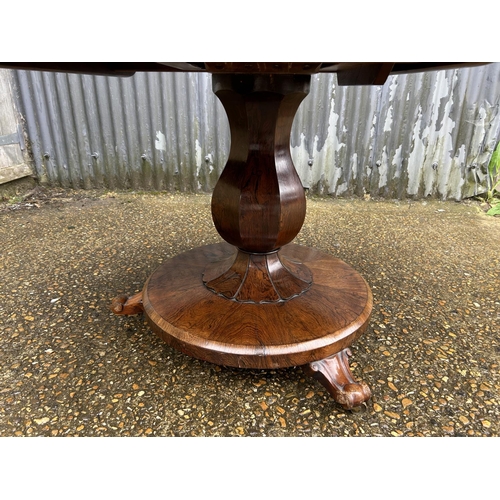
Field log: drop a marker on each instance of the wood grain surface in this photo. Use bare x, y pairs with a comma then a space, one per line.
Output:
259, 204
326, 319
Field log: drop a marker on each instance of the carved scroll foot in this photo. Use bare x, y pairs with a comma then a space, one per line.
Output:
334, 373
126, 306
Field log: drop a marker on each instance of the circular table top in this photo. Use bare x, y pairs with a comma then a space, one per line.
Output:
348, 73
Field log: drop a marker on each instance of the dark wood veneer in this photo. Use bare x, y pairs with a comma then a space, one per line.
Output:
259, 301
328, 318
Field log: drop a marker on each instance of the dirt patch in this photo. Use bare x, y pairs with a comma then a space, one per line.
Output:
57, 197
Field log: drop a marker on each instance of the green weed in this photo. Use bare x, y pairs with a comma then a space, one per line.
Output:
493, 193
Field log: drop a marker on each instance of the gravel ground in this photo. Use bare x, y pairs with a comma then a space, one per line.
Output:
69, 367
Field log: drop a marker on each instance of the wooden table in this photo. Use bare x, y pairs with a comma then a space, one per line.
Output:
258, 300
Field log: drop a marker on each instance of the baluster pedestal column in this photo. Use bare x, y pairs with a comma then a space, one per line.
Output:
257, 300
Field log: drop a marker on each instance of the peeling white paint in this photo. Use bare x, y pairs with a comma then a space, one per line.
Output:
341, 189
354, 165
456, 180
393, 86
300, 157
416, 157
198, 154
388, 120
198, 161
328, 155
479, 131
433, 162
316, 172
210, 161
430, 160
161, 141
444, 147
462, 154
383, 168
397, 160
336, 175
374, 127
326, 167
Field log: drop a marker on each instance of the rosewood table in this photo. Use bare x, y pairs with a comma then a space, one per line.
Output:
258, 300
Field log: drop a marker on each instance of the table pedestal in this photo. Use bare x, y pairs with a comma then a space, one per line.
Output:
258, 301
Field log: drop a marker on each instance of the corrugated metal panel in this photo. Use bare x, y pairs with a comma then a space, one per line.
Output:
418, 135
151, 131
13, 164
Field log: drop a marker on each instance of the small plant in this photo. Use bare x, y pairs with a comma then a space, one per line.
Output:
15, 199
493, 194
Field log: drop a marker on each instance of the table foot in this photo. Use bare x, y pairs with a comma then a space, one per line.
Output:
335, 374
124, 305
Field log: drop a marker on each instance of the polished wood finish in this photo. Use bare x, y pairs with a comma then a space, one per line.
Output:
124, 305
335, 374
258, 278
326, 319
258, 301
258, 204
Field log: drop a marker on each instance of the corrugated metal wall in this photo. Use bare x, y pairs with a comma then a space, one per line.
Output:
13, 164
418, 135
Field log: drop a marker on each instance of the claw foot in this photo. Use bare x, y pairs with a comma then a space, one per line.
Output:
334, 373
126, 306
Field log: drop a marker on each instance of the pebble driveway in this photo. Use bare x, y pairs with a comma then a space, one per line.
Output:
69, 367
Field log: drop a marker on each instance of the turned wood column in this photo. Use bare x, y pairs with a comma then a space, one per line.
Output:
256, 305
258, 204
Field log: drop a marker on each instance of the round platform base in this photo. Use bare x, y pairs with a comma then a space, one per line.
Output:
317, 324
